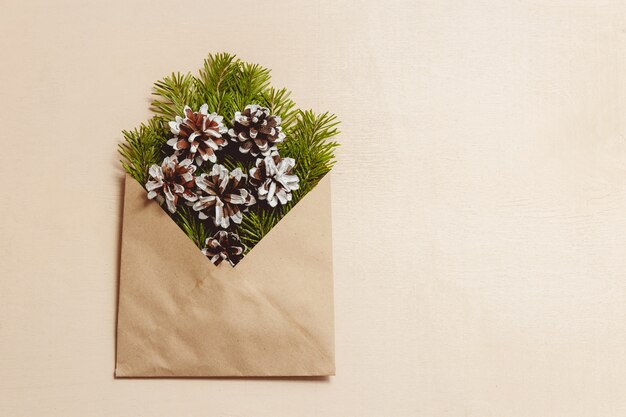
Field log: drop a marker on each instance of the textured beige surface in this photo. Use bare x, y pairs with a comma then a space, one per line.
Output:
479, 206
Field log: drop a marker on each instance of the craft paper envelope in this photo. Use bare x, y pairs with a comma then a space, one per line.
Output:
271, 315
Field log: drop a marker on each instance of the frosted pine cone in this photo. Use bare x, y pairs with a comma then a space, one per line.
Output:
224, 246
256, 130
223, 196
274, 179
170, 181
198, 135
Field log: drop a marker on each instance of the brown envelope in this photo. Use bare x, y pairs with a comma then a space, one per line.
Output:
271, 315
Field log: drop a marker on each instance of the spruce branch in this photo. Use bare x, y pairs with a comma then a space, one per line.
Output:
256, 224
215, 76
217, 70
280, 103
248, 84
197, 230
310, 145
142, 148
174, 93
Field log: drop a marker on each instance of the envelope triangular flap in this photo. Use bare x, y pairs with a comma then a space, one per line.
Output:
271, 315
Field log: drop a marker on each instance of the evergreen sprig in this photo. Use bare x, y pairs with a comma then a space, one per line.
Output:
310, 145
142, 148
197, 230
227, 85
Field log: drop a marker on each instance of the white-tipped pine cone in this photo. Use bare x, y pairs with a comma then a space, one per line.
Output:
170, 181
198, 135
223, 196
224, 246
256, 130
274, 179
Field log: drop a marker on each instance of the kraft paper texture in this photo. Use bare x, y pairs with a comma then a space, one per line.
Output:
181, 316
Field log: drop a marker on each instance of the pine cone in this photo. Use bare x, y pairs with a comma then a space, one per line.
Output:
256, 130
274, 179
170, 181
224, 245
223, 197
198, 135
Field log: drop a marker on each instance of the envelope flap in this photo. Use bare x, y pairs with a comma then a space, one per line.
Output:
271, 315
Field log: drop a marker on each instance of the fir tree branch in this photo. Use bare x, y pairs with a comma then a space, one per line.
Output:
174, 93
142, 148
248, 84
256, 224
310, 145
215, 76
188, 221
217, 70
280, 103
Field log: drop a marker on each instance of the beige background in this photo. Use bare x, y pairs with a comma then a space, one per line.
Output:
479, 202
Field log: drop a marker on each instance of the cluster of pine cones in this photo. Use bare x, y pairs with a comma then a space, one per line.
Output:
219, 195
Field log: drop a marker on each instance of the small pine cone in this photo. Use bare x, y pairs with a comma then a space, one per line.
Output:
223, 196
170, 181
274, 179
198, 135
224, 245
256, 130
